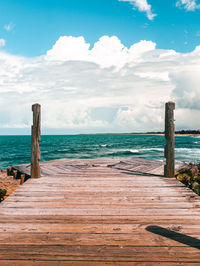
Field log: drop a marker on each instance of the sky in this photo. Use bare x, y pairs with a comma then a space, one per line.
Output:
99, 66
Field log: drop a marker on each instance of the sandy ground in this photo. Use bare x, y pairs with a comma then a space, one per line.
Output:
8, 183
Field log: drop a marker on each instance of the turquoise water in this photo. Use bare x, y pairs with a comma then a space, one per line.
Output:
16, 149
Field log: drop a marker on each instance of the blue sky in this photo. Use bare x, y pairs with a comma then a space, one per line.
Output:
37, 24
99, 66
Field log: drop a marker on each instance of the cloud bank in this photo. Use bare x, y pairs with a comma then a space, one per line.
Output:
105, 88
142, 6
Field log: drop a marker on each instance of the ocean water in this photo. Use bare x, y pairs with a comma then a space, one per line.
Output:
17, 149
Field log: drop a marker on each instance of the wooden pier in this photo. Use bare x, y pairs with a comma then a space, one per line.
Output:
100, 212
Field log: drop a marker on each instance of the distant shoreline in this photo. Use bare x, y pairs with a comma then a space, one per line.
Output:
177, 133
145, 134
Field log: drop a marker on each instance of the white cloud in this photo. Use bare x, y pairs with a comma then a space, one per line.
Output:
69, 48
187, 91
2, 42
143, 6
9, 27
107, 52
189, 5
75, 84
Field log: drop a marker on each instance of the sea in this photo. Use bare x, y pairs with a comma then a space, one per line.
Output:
17, 149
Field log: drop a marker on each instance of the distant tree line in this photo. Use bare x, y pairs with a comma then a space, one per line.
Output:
181, 132
193, 132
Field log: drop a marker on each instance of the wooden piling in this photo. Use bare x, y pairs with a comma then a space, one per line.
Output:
35, 138
169, 168
14, 174
8, 171
22, 179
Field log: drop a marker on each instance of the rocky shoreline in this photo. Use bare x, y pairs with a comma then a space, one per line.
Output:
189, 175
8, 183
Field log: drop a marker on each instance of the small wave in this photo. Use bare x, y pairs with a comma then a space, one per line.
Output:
44, 152
152, 149
195, 137
61, 151
122, 152
188, 150
133, 151
128, 150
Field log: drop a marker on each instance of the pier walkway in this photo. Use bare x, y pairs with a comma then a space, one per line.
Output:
100, 212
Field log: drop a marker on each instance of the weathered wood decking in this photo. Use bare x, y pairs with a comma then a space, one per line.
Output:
82, 212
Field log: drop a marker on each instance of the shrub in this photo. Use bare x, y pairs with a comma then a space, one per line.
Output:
189, 174
2, 194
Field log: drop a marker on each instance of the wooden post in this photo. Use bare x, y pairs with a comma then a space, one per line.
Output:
35, 138
169, 168
8, 171
22, 179
14, 174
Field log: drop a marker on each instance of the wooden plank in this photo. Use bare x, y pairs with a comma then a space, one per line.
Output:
92, 219
103, 211
83, 184
99, 253
95, 228
60, 189
89, 205
94, 182
89, 263
96, 239
106, 200
105, 194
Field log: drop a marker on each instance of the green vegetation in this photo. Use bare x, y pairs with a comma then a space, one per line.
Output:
2, 194
188, 132
190, 176
180, 132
